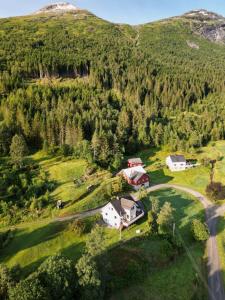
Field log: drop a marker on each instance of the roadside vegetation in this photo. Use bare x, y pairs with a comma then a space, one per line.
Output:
221, 244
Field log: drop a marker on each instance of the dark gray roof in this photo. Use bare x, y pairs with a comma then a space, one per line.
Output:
122, 203
178, 158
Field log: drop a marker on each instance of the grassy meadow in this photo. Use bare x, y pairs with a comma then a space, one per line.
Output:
64, 172
32, 243
196, 178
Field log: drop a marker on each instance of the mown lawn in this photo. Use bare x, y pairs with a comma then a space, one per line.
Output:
196, 178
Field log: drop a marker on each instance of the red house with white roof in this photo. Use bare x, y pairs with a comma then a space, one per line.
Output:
136, 177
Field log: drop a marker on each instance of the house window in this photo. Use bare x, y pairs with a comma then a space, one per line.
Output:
128, 216
106, 214
115, 224
115, 217
132, 208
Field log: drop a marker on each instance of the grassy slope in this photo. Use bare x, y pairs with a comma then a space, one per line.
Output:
176, 280
76, 199
173, 282
196, 178
33, 243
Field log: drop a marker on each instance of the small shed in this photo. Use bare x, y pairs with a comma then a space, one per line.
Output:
134, 162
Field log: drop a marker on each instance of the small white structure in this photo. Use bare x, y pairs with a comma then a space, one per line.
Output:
176, 163
137, 177
121, 212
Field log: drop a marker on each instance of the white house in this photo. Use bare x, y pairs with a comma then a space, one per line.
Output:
121, 212
137, 177
176, 163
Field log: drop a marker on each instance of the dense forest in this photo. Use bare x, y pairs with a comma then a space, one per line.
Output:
102, 89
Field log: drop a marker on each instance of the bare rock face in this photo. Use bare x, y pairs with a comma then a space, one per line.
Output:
207, 24
61, 7
203, 15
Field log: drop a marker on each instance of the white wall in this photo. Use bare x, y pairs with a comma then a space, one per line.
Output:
131, 213
110, 216
178, 166
137, 187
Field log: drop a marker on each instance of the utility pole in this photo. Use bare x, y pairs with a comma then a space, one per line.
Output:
174, 227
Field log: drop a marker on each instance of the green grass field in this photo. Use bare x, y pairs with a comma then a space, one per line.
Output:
64, 172
196, 178
33, 243
173, 280
176, 281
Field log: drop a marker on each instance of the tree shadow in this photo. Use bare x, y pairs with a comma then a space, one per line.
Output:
72, 252
28, 269
158, 176
178, 201
146, 154
24, 240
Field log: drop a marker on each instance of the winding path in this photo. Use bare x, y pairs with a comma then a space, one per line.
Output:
215, 282
212, 212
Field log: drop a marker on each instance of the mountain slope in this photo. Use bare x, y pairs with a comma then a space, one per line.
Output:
58, 8
123, 85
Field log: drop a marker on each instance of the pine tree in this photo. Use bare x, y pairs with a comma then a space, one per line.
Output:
18, 149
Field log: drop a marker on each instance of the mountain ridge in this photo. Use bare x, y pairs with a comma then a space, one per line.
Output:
60, 7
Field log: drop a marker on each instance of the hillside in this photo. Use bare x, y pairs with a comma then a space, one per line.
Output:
67, 76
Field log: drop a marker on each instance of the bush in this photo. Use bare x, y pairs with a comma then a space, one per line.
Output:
79, 227
5, 238
57, 274
199, 230
66, 150
30, 289
205, 161
215, 191
5, 281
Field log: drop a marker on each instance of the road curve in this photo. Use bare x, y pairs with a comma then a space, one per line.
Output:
212, 212
82, 215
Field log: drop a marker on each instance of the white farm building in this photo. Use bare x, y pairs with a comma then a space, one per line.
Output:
176, 163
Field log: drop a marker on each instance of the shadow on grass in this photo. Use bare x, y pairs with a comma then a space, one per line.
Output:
144, 155
72, 252
24, 240
180, 203
158, 177
26, 271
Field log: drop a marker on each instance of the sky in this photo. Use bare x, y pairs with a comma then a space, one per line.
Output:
119, 11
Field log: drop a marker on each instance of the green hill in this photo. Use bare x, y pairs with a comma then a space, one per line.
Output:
70, 77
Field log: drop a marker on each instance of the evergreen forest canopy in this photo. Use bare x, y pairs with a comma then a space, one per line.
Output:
102, 89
